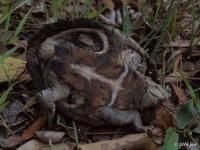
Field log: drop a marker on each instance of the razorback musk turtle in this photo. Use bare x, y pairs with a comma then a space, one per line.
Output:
93, 72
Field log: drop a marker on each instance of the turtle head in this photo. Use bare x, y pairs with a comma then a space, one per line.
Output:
155, 94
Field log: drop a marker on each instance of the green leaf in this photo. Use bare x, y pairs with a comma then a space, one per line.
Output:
197, 106
171, 140
185, 115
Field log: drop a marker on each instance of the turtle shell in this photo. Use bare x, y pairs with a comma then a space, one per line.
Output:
99, 66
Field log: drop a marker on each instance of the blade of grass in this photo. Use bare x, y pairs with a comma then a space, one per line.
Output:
154, 36
3, 99
87, 8
127, 27
76, 135
146, 37
21, 24
7, 54
157, 10
94, 14
193, 24
6, 28
19, 4
4, 96
165, 26
55, 9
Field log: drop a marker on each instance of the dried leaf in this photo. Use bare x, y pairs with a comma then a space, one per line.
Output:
38, 124
10, 141
36, 145
125, 2
12, 115
22, 43
183, 98
164, 118
133, 141
158, 137
11, 68
175, 77
180, 43
177, 64
195, 53
109, 4
47, 136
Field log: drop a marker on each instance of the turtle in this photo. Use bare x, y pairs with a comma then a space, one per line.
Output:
93, 73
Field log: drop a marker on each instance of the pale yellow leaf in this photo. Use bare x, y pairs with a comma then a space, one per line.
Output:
11, 68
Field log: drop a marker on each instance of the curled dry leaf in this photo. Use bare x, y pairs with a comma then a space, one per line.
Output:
50, 136
39, 123
132, 141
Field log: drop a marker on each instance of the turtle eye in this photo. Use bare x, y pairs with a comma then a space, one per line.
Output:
90, 39
59, 50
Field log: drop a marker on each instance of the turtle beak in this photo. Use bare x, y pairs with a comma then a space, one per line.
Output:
155, 94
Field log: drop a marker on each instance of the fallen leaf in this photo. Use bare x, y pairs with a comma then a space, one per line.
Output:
11, 141
38, 124
12, 116
195, 52
21, 43
180, 43
125, 2
175, 77
164, 118
11, 68
50, 136
132, 141
158, 137
183, 98
36, 145
109, 4
177, 64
